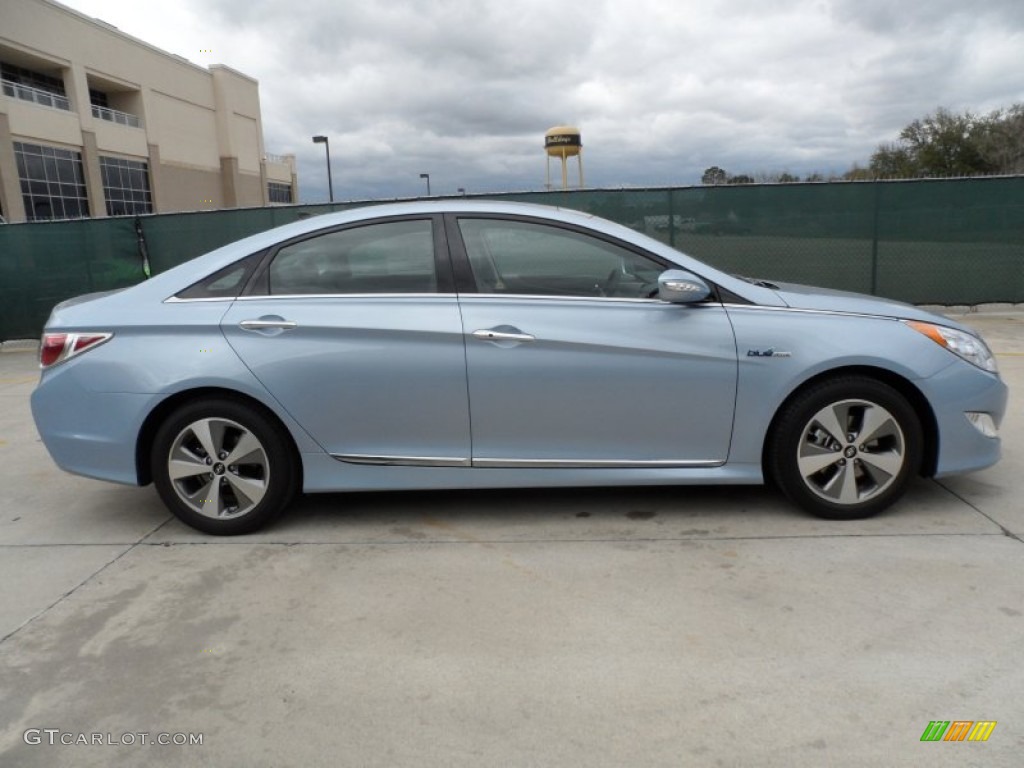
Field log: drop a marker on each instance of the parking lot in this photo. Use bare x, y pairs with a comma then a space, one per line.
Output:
603, 627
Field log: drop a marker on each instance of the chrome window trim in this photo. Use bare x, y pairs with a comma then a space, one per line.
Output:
551, 297
271, 297
460, 296
400, 461
176, 300
616, 299
595, 463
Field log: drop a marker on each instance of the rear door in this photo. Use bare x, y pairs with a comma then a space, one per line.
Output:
356, 332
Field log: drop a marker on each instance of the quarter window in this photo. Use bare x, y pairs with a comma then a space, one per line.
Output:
390, 257
518, 257
226, 283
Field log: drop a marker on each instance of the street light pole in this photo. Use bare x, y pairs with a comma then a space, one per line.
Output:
427, 177
327, 147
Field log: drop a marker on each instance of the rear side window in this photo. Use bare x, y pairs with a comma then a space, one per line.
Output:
225, 283
388, 257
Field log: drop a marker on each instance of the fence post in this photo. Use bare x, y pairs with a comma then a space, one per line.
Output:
874, 237
671, 219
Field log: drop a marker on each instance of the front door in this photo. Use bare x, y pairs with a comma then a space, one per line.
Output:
572, 363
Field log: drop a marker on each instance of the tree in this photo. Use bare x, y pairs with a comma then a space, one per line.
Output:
949, 144
741, 179
858, 174
945, 144
1001, 140
714, 175
892, 161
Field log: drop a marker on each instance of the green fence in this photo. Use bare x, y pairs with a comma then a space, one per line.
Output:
937, 241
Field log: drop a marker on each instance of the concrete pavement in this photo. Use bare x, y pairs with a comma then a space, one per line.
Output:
666, 626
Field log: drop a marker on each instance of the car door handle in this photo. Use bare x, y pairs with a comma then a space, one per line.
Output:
263, 325
486, 335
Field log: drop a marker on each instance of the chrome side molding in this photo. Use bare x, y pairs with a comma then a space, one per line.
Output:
401, 461
595, 463
492, 463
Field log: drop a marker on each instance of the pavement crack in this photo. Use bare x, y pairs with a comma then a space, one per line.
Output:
1006, 531
82, 583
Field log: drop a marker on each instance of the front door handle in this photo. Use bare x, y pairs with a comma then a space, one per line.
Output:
487, 335
267, 325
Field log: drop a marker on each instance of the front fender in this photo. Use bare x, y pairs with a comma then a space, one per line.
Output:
780, 350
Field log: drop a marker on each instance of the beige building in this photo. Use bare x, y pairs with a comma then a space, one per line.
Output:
94, 122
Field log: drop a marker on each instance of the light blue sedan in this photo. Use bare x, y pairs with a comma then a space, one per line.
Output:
462, 344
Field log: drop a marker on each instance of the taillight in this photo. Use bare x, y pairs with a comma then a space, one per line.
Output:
58, 347
51, 348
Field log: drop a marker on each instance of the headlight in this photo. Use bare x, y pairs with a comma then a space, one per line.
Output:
971, 348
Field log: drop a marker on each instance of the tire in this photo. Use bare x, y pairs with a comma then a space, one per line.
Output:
845, 448
248, 480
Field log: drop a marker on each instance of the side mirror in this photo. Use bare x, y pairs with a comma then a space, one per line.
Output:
677, 286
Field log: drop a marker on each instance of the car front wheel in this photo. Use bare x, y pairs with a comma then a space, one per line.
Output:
846, 448
223, 467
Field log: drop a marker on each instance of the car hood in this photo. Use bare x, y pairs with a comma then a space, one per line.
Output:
828, 300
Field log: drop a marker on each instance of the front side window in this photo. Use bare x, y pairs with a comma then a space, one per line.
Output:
389, 257
518, 257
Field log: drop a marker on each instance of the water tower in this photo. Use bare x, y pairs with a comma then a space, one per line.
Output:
563, 141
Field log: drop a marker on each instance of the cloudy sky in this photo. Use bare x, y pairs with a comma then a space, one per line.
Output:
661, 89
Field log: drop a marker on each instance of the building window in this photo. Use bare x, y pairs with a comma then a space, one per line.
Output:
126, 186
31, 78
21, 83
52, 182
278, 192
101, 110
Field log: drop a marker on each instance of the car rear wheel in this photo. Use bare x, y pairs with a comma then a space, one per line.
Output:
223, 467
846, 448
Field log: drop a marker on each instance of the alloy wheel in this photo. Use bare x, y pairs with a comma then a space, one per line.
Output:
218, 468
851, 451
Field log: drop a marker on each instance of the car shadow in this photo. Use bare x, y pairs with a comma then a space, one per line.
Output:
518, 511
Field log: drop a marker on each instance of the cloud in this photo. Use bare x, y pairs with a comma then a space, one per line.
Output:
661, 89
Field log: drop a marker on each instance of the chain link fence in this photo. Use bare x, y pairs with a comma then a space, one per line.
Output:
957, 241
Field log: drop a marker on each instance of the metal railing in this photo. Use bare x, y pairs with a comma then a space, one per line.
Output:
116, 116
36, 95
279, 159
